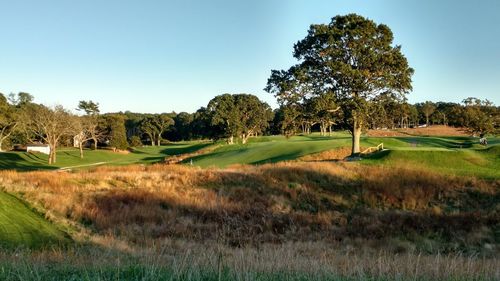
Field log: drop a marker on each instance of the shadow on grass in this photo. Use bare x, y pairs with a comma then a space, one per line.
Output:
183, 149
244, 204
449, 142
13, 161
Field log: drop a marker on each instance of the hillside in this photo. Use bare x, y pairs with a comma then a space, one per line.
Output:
21, 226
434, 200
321, 208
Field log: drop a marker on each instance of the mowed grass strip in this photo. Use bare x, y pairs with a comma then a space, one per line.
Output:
22, 227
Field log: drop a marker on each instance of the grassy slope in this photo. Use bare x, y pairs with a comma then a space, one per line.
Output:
69, 157
21, 226
457, 155
268, 150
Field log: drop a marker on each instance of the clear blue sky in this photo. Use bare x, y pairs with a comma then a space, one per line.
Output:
160, 56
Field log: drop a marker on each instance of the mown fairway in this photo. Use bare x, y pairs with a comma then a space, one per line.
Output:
455, 155
70, 157
20, 226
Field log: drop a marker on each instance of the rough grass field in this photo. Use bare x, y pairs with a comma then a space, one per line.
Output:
426, 209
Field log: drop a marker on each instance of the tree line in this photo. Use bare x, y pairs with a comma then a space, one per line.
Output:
228, 117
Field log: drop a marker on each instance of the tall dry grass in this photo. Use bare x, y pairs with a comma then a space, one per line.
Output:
286, 221
175, 260
275, 203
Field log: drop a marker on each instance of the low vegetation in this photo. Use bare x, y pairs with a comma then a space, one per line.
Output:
332, 220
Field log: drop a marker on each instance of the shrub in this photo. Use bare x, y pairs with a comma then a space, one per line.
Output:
135, 141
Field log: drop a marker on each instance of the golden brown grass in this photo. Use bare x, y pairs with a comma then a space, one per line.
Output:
317, 218
289, 261
275, 203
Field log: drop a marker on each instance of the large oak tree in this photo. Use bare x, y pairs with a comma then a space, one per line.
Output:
352, 58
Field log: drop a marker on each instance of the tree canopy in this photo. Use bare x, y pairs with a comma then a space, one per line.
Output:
351, 58
239, 115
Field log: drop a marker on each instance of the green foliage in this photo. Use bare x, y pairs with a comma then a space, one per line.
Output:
155, 125
135, 141
240, 115
9, 121
116, 134
89, 107
481, 117
427, 109
21, 99
351, 58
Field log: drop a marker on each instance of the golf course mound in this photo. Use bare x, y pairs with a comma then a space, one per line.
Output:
22, 227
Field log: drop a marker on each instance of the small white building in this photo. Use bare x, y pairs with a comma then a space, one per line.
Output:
35, 147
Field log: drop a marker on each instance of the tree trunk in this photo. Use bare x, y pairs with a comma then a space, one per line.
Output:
330, 130
244, 138
152, 140
80, 145
230, 140
1, 141
95, 143
356, 135
52, 155
159, 141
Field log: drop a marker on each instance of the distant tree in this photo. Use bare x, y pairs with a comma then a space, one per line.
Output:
87, 128
325, 112
275, 124
413, 116
353, 59
154, 126
89, 124
182, 124
89, 107
253, 116
9, 120
48, 125
135, 141
390, 109
240, 115
427, 109
222, 113
21, 99
115, 133
378, 116
481, 116
290, 94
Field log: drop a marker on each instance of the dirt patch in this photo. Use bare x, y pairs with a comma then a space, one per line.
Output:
329, 155
176, 159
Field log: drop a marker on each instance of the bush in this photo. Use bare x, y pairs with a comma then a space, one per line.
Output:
135, 141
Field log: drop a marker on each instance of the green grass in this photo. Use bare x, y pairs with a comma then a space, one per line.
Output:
21, 226
455, 155
269, 150
70, 157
